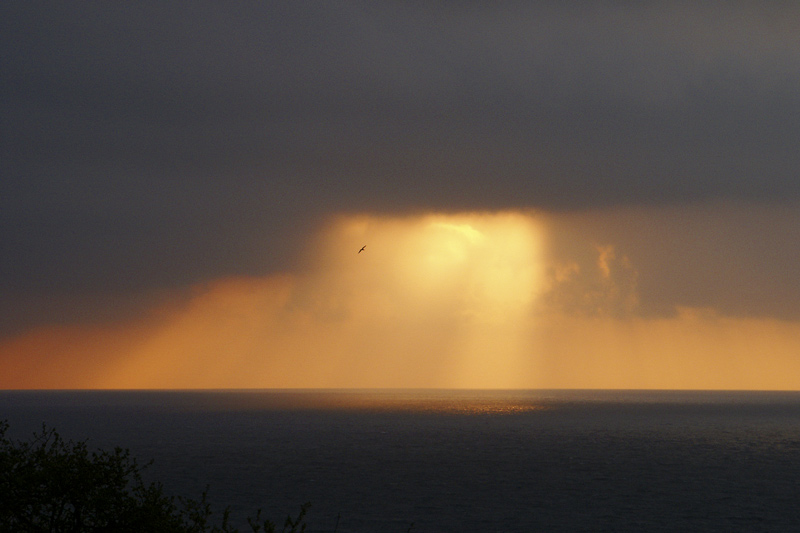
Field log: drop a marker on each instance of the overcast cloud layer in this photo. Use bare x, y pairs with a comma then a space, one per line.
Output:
153, 145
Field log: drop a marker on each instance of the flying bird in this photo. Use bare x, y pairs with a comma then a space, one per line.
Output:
362, 248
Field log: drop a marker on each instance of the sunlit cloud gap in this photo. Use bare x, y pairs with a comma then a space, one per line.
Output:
443, 300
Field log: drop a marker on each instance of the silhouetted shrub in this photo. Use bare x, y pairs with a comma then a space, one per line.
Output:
57, 486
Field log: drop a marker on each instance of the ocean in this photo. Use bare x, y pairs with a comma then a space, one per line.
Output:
455, 461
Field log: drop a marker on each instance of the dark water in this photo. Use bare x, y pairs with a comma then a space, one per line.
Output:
457, 461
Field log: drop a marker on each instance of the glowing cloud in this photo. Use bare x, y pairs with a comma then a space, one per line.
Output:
473, 300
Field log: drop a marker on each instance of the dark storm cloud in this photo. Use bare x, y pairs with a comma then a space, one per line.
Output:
156, 144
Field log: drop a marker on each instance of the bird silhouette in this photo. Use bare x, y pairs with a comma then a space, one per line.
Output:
362, 248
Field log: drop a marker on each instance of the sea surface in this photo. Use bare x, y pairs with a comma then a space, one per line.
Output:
455, 461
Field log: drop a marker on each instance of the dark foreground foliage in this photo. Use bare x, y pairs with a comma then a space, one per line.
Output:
57, 486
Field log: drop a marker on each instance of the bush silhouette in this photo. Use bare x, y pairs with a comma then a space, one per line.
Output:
52, 485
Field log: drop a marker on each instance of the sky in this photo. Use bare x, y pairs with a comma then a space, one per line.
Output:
551, 194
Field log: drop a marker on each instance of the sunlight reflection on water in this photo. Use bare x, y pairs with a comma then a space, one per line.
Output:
400, 401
